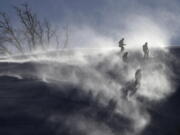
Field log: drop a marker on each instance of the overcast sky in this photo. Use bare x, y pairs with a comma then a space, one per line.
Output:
155, 21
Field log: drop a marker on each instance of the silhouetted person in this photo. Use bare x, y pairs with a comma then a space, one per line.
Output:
121, 44
138, 76
146, 50
137, 82
132, 86
125, 57
128, 89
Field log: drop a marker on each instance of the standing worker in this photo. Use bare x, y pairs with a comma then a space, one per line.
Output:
146, 50
121, 44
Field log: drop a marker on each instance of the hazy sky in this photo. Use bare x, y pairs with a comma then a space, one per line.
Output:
155, 21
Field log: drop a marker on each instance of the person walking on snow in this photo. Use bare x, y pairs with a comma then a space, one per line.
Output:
121, 44
146, 50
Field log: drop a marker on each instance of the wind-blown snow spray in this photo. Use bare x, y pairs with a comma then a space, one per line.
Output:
104, 74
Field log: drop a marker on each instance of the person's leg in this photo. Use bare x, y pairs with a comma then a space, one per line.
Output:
122, 49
